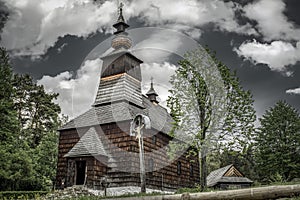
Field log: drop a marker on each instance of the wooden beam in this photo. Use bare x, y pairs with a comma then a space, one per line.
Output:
270, 192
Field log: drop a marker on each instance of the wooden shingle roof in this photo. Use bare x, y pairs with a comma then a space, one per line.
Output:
227, 174
123, 111
88, 145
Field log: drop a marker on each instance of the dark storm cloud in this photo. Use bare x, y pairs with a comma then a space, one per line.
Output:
3, 16
266, 86
54, 62
223, 29
292, 10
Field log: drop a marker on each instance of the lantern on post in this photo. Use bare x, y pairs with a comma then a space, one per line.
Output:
137, 125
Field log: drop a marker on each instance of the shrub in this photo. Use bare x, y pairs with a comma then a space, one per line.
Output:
11, 195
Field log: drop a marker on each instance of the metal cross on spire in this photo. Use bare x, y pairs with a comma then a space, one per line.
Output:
120, 10
151, 82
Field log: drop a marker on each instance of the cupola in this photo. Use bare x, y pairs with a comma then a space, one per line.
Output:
151, 94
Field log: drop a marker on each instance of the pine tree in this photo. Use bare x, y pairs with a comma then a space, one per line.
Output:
277, 152
29, 120
16, 167
37, 112
8, 119
39, 119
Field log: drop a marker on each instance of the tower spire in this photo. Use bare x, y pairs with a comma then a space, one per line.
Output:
121, 18
120, 25
152, 93
121, 38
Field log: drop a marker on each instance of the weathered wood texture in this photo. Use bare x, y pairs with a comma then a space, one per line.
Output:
161, 173
124, 64
271, 192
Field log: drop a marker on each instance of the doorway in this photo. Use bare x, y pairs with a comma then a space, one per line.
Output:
80, 172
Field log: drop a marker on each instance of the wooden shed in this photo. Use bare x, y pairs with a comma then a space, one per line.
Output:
228, 177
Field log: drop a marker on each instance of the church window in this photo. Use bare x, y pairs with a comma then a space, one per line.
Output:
191, 170
178, 167
151, 165
153, 139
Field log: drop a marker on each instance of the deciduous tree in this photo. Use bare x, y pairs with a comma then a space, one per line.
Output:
209, 107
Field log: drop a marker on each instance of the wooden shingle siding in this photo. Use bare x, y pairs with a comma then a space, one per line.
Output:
124, 150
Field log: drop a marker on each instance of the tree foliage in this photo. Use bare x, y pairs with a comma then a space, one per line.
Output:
29, 120
277, 144
210, 108
36, 111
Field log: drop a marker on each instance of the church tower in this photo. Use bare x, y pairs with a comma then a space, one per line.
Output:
121, 72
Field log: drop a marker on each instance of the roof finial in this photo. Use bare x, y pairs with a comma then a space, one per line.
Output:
151, 82
121, 18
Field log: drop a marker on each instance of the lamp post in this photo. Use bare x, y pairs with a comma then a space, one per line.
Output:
105, 183
136, 129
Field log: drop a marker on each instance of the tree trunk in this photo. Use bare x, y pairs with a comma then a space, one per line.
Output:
202, 167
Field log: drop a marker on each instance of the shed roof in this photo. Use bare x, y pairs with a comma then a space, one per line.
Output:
222, 176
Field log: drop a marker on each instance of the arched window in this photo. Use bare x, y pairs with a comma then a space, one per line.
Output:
178, 167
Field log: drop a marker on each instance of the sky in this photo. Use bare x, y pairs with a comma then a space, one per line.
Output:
60, 43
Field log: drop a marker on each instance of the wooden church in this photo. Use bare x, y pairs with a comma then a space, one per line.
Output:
97, 145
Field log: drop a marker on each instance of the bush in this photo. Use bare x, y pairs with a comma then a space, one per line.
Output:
10, 195
188, 190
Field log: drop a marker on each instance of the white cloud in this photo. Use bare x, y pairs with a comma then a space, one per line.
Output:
293, 91
272, 22
191, 13
76, 95
278, 55
35, 25
159, 44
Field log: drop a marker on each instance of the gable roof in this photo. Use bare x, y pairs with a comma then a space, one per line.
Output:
88, 145
227, 174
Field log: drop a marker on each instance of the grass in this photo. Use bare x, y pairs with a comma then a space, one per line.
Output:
179, 191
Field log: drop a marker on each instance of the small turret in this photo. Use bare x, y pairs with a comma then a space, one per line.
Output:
152, 94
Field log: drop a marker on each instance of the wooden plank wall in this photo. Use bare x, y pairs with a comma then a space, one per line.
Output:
124, 149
